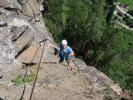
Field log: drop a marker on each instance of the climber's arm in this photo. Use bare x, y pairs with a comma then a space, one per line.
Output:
71, 52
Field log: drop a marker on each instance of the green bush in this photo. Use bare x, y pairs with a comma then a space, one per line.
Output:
19, 80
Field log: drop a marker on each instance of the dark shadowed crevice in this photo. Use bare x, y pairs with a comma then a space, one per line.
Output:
15, 39
22, 2
13, 9
29, 64
24, 48
1, 77
3, 25
1, 98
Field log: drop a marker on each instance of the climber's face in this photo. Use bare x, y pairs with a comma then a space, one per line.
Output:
64, 46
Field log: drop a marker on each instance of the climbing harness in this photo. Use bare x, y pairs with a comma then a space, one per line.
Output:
72, 60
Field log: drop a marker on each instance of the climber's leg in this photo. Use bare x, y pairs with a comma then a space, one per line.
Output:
62, 56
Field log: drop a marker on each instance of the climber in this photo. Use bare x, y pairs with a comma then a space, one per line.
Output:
66, 53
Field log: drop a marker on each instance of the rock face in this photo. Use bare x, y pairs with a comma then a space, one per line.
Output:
21, 34
55, 82
21, 26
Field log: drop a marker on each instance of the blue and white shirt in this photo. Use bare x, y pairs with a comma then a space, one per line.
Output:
67, 51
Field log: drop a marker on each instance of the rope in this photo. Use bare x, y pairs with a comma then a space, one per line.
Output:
75, 64
21, 98
39, 67
26, 74
35, 53
57, 47
36, 74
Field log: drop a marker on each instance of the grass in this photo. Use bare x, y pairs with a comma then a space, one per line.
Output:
19, 80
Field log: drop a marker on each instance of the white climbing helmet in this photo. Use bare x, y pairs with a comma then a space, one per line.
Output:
64, 42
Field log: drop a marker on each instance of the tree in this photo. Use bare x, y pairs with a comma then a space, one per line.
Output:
89, 27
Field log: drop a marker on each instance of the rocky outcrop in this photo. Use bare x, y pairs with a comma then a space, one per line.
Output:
21, 26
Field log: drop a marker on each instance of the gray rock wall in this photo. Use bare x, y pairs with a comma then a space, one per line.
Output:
21, 25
